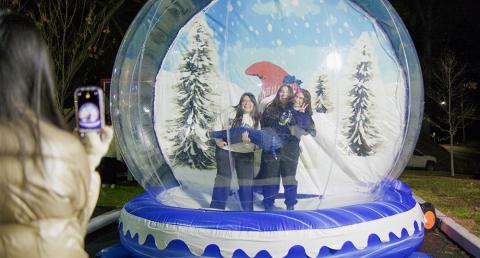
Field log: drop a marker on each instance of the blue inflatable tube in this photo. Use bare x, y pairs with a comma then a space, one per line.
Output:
265, 139
389, 227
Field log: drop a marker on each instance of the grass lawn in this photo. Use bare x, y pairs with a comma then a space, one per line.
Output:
119, 195
456, 197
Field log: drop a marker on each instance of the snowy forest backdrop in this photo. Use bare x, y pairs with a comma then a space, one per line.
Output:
343, 59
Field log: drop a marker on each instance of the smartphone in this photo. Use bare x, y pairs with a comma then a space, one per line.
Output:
89, 108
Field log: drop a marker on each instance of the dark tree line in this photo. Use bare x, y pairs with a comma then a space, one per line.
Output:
83, 36
439, 27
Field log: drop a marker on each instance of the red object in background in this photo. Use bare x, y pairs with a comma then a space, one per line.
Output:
271, 76
105, 85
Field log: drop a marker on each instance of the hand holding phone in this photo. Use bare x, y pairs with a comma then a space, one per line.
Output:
96, 145
89, 109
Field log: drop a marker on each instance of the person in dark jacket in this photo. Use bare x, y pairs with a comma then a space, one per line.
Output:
286, 114
302, 113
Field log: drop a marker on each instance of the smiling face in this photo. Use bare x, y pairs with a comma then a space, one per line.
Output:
299, 99
247, 105
284, 94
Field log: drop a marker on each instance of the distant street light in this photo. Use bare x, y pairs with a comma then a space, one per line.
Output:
443, 103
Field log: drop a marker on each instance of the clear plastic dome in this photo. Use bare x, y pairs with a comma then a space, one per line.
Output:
184, 65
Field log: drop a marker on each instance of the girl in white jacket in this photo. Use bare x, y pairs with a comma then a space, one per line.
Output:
245, 114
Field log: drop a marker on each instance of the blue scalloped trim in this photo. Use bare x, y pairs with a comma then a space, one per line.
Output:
396, 247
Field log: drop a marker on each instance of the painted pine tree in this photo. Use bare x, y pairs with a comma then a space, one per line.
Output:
321, 95
361, 133
193, 101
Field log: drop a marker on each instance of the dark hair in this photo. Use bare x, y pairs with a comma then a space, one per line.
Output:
237, 121
26, 72
276, 106
27, 89
307, 100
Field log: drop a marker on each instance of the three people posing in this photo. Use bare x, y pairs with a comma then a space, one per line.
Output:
287, 118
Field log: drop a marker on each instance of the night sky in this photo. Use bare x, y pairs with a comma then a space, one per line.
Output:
441, 24
455, 26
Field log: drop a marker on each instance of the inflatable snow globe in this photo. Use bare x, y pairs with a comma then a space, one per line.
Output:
281, 120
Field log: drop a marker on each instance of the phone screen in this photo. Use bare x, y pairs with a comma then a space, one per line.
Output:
89, 108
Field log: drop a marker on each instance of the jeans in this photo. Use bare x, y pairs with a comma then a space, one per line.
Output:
243, 163
284, 166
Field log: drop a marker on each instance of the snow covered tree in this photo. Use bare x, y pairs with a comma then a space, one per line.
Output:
361, 133
194, 104
322, 105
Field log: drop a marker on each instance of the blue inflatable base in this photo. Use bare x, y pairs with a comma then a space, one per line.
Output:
396, 199
397, 247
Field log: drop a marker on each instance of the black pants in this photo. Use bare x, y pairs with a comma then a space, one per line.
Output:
284, 166
243, 163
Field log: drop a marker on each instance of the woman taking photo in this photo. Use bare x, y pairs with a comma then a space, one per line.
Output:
244, 114
48, 185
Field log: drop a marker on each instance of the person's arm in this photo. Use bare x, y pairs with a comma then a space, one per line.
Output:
96, 146
304, 122
219, 125
245, 138
237, 134
93, 191
311, 127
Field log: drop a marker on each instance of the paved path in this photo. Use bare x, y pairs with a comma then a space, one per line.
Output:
438, 245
